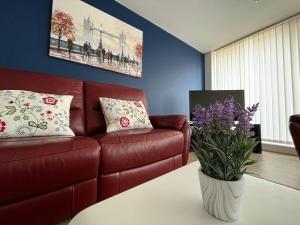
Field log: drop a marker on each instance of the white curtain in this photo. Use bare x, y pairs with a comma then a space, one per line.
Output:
266, 65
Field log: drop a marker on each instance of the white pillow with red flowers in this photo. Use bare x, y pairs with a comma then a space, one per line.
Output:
123, 115
26, 113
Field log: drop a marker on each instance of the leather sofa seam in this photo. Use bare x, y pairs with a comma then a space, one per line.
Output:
12, 161
151, 140
164, 159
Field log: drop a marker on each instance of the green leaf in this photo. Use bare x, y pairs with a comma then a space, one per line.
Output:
25, 118
223, 154
16, 118
10, 107
10, 112
32, 124
249, 162
42, 125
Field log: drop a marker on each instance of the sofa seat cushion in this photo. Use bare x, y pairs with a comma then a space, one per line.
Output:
31, 166
129, 149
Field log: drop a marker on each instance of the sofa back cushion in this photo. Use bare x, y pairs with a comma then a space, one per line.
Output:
38, 82
27, 113
124, 115
95, 122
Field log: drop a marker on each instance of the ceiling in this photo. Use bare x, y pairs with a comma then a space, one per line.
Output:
209, 24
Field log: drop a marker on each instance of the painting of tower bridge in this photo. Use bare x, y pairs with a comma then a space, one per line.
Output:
84, 34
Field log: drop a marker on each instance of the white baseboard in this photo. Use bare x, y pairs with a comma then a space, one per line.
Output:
279, 148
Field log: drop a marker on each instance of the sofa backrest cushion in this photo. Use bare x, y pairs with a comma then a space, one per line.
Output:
11, 79
95, 122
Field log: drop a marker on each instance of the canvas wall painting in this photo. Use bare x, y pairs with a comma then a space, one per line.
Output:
83, 34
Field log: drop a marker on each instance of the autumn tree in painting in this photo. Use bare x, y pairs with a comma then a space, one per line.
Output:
139, 50
62, 25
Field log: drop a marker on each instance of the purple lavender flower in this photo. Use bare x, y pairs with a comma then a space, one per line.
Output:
201, 116
228, 112
244, 117
221, 116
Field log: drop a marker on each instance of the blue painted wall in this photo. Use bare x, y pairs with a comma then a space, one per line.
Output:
170, 67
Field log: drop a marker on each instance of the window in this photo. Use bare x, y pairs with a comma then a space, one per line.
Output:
266, 65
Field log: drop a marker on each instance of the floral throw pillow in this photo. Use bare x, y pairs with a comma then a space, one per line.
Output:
123, 115
26, 113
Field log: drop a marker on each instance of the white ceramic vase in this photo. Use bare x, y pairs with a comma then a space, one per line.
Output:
221, 199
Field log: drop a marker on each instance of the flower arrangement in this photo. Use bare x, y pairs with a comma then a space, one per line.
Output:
222, 140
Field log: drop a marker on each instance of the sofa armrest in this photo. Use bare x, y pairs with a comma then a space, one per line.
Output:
174, 122
187, 133
295, 118
295, 131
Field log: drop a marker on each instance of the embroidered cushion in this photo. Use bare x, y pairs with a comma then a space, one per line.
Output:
123, 115
26, 113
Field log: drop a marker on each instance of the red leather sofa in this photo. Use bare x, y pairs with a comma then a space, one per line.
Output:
44, 180
295, 131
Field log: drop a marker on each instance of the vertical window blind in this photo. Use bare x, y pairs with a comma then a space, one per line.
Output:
267, 66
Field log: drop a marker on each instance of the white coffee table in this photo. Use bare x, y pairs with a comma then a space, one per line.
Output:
175, 199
